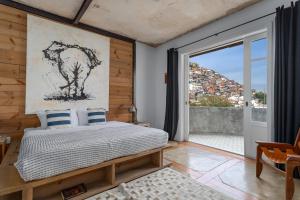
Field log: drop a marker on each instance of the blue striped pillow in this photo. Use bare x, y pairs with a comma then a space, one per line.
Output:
96, 116
58, 119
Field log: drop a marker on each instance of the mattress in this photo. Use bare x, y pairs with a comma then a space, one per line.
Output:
45, 153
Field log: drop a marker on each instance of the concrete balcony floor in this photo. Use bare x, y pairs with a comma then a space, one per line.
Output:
231, 143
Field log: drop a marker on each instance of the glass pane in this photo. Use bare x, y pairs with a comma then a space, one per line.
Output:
259, 49
216, 78
259, 81
216, 98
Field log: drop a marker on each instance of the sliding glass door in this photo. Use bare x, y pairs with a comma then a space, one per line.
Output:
228, 95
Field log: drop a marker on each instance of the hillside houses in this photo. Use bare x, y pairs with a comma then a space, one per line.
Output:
207, 82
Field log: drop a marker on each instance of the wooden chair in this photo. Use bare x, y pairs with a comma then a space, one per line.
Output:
281, 153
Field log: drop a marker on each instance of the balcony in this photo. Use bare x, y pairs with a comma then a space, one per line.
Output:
220, 127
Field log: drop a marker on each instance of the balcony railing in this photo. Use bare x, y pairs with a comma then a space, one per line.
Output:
221, 120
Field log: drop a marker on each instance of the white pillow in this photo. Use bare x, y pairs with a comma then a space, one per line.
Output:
82, 117
96, 116
43, 118
57, 119
74, 118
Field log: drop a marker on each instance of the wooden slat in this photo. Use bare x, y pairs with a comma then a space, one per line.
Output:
120, 84
119, 72
9, 70
10, 75
120, 56
18, 88
22, 71
119, 47
118, 111
120, 52
12, 98
12, 41
121, 117
116, 42
12, 29
8, 109
12, 81
120, 101
115, 81
121, 64
12, 57
12, 17
121, 90
18, 124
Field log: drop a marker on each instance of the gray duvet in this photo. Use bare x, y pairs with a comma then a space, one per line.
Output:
45, 153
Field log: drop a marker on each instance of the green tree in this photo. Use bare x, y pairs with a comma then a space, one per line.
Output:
261, 96
212, 101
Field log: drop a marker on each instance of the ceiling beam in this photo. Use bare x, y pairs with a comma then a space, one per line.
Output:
80, 13
64, 20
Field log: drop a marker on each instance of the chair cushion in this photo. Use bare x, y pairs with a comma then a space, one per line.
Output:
276, 155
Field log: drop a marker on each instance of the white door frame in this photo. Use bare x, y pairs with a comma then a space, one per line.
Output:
224, 38
247, 75
254, 130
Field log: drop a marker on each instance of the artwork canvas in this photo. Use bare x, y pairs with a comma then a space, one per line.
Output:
66, 67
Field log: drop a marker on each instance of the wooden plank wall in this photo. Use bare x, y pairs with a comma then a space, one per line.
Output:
13, 72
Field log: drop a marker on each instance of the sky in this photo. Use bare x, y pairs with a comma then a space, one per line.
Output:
229, 62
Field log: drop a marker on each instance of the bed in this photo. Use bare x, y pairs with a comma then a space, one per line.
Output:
45, 153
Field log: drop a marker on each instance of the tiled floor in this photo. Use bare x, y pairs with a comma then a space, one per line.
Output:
228, 173
231, 143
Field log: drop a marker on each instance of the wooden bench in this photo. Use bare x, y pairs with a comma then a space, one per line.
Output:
96, 178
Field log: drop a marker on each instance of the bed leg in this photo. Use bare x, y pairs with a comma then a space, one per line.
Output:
157, 159
27, 193
111, 174
161, 158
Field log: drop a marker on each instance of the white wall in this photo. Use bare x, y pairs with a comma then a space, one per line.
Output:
143, 82
157, 61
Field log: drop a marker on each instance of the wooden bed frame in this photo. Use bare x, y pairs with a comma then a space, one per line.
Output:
96, 178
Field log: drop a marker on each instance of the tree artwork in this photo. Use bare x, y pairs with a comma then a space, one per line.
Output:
74, 73
66, 67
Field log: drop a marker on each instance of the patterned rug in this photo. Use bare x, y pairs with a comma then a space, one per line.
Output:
166, 184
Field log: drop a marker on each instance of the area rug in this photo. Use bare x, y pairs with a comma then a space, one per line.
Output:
165, 184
